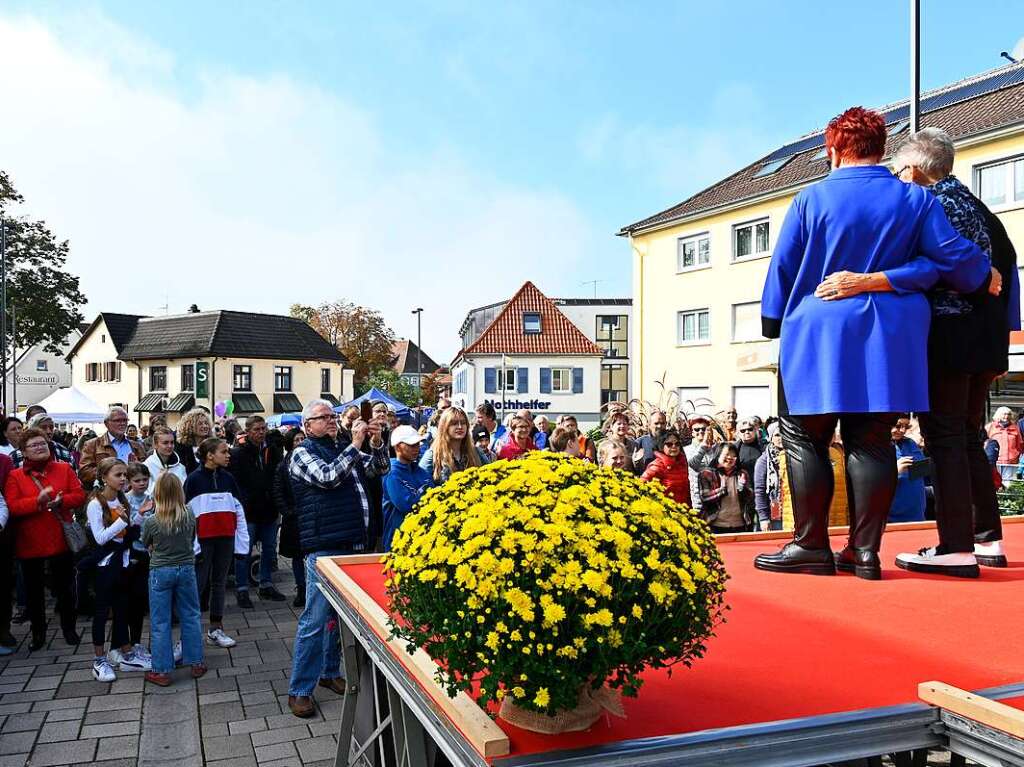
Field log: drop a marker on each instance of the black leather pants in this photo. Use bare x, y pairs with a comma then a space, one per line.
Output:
966, 508
870, 474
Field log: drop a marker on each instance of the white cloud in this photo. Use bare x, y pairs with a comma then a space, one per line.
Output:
720, 136
255, 193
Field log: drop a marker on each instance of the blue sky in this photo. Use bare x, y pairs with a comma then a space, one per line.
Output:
436, 154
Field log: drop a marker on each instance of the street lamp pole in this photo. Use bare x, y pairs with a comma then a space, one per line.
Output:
418, 311
915, 66
3, 310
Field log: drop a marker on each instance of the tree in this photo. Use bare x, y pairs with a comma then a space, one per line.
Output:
46, 297
386, 379
359, 333
430, 387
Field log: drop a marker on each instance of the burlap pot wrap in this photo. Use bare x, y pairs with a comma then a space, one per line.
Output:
592, 703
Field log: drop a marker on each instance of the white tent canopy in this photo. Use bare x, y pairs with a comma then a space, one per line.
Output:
69, 405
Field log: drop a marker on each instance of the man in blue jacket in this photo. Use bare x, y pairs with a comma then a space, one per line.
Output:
332, 503
406, 483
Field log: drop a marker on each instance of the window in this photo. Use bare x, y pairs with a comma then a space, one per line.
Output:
614, 383
158, 378
92, 372
694, 326
325, 380
752, 400
694, 252
773, 166
750, 240
746, 321
282, 378
694, 398
111, 371
561, 380
188, 377
510, 378
243, 377
1000, 184
612, 334
531, 322
41, 366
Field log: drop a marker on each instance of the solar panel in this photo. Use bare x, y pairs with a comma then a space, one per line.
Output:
895, 128
1012, 75
821, 154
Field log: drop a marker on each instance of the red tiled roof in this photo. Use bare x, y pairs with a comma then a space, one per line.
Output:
505, 335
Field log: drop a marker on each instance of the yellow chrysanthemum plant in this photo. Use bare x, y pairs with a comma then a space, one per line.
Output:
542, 580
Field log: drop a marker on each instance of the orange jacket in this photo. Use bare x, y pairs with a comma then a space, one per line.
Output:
37, 533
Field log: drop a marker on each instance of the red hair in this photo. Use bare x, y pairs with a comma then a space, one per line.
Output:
856, 134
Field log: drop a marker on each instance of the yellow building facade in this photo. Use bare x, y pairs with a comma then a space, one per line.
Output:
699, 269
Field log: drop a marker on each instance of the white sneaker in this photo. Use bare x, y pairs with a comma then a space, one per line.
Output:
142, 652
115, 656
990, 554
132, 661
219, 638
178, 654
101, 670
962, 564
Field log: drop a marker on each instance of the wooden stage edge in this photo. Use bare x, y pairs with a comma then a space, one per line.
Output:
474, 723
988, 712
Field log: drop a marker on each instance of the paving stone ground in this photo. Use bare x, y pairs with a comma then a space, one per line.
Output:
52, 712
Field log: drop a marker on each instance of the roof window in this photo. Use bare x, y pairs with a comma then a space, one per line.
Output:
531, 322
898, 127
773, 166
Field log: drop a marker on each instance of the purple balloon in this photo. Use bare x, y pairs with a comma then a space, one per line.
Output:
219, 409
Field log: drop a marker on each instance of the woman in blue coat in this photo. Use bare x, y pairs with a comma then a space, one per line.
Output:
864, 236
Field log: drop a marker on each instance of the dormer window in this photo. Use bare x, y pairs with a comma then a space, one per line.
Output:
531, 322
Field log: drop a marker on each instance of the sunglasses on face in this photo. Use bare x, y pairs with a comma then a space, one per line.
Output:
746, 431
671, 444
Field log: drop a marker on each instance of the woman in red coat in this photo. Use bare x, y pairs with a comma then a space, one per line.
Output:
669, 467
38, 493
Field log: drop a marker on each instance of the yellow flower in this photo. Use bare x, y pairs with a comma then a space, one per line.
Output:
542, 698
638, 611
518, 692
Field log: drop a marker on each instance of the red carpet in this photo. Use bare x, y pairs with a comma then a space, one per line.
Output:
801, 645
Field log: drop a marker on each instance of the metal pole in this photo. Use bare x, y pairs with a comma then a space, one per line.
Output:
14, 358
915, 66
418, 311
3, 310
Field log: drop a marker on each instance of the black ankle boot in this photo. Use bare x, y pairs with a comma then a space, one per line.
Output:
300, 597
863, 564
38, 640
793, 558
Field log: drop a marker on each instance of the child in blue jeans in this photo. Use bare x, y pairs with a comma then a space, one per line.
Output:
170, 534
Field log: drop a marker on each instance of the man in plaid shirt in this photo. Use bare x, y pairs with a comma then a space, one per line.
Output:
333, 510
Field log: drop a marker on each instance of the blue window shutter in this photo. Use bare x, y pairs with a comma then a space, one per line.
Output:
522, 379
490, 381
545, 380
577, 380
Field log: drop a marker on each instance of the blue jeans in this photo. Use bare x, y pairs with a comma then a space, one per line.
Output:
266, 534
317, 653
174, 584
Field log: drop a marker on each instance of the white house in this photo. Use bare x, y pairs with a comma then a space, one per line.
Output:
37, 373
262, 363
529, 356
605, 321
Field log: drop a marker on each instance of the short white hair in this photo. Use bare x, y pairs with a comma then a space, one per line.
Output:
312, 405
930, 149
540, 419
111, 412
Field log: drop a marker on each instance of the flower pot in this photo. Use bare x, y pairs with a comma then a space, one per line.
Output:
592, 703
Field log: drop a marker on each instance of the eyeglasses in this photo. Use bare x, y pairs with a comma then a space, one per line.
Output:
898, 173
320, 417
36, 446
671, 444
698, 430
746, 431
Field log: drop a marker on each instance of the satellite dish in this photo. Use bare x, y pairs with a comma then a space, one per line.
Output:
1018, 50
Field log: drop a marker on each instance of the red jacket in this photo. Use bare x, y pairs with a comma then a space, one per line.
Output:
36, 531
673, 473
512, 450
